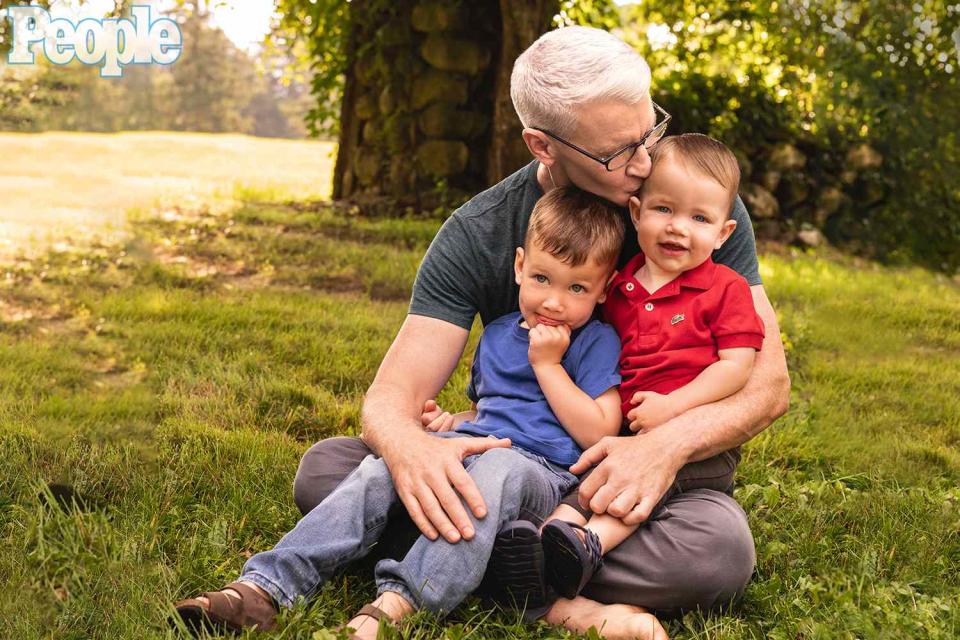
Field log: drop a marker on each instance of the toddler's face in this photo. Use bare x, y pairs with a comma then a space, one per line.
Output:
680, 217
553, 293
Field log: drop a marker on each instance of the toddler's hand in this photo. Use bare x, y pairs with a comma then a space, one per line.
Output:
433, 418
652, 409
548, 344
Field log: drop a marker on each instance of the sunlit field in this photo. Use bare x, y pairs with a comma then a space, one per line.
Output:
157, 392
76, 187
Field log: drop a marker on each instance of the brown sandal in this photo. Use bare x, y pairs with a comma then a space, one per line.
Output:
226, 613
370, 610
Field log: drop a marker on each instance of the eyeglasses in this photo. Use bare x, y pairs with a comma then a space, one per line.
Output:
619, 158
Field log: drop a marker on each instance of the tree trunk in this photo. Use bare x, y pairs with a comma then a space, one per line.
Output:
426, 118
342, 175
522, 23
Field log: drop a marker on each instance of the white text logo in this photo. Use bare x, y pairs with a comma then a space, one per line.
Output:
112, 42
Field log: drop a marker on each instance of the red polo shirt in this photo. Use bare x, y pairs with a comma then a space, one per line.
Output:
670, 336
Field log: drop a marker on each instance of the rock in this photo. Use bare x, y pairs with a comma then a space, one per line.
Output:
365, 107
437, 86
366, 166
770, 180
760, 202
371, 132
793, 189
442, 158
398, 133
388, 100
786, 157
439, 16
396, 33
830, 200
810, 237
864, 157
363, 70
401, 175
869, 192
443, 120
455, 54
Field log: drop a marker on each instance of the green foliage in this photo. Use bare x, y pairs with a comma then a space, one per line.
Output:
322, 29
826, 77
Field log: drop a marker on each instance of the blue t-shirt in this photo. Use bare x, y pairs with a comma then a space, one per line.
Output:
510, 403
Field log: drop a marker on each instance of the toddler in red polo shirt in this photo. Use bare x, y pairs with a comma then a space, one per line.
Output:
688, 327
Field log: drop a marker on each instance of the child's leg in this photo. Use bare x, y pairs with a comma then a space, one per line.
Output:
339, 530
610, 530
437, 575
566, 513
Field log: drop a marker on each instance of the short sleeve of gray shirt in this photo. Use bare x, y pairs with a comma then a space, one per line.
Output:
468, 268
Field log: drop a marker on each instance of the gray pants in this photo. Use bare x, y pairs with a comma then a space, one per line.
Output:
695, 552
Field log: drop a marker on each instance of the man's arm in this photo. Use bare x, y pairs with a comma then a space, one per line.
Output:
724, 377
427, 471
634, 472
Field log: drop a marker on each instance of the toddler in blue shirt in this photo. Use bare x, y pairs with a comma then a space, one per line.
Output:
545, 377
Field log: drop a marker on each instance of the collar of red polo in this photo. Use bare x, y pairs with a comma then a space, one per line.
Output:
700, 277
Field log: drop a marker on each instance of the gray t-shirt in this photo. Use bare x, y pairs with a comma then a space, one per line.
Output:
468, 268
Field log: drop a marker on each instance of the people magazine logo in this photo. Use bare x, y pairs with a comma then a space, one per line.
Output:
113, 43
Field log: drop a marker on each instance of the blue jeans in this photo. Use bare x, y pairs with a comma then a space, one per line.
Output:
435, 574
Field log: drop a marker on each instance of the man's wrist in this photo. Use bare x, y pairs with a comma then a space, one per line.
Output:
394, 439
674, 441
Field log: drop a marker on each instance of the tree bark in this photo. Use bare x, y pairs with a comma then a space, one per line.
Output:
523, 22
342, 172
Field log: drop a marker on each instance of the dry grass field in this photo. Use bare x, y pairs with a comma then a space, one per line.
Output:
62, 187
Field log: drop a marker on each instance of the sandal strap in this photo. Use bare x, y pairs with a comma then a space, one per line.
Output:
374, 612
591, 541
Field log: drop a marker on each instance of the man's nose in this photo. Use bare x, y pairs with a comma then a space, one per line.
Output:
639, 165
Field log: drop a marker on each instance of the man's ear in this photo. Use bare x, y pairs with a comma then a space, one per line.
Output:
728, 228
518, 265
539, 145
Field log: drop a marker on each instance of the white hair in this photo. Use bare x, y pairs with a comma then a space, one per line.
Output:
572, 66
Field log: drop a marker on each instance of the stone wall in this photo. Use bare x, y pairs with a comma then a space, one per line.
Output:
416, 122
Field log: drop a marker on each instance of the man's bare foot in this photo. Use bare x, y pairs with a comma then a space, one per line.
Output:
613, 621
393, 604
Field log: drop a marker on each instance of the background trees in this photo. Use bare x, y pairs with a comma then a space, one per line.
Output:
213, 87
843, 112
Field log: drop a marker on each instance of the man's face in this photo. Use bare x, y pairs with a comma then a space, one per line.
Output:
553, 293
603, 128
680, 217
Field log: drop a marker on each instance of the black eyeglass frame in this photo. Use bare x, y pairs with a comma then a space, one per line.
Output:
662, 125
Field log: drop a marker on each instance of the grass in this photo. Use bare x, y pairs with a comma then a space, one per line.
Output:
155, 398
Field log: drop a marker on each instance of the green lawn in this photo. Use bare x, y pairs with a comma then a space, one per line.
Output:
168, 386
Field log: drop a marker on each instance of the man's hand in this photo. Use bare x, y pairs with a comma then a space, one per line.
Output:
434, 419
651, 410
548, 344
430, 479
632, 474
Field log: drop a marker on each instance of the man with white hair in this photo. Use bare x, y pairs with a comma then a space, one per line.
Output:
583, 97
